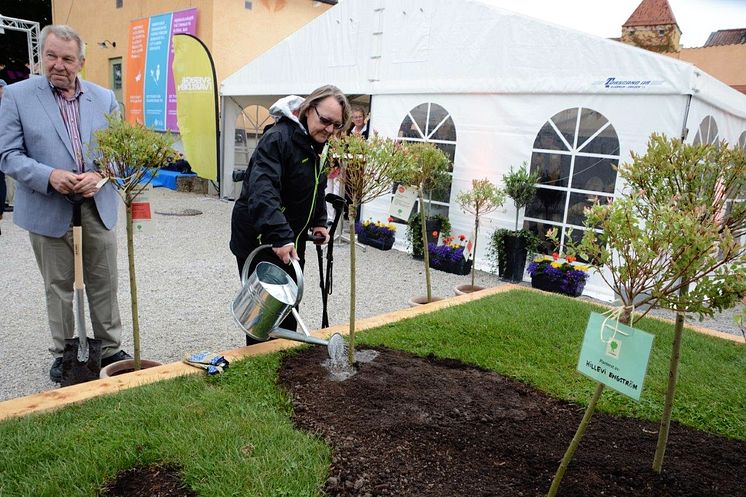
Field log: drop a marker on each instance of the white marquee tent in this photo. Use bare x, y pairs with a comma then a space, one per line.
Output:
494, 89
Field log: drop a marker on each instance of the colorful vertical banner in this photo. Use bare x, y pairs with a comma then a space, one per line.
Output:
156, 71
184, 21
197, 104
136, 70
150, 94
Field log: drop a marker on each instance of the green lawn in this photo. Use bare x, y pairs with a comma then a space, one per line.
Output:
232, 434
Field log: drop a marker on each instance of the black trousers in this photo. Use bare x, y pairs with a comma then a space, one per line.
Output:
268, 255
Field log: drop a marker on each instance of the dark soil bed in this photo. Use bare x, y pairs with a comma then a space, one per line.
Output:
409, 426
148, 481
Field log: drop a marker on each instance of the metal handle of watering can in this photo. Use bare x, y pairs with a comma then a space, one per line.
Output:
298, 271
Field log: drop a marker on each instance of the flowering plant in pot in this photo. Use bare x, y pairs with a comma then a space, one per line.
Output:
376, 233
558, 275
453, 256
483, 198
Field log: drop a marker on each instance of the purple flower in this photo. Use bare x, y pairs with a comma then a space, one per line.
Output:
566, 275
440, 255
377, 231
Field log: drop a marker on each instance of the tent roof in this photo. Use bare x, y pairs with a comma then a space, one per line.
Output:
462, 46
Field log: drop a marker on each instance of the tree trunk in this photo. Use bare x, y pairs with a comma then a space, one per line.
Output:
625, 318
474, 251
133, 283
425, 251
673, 377
575, 440
352, 213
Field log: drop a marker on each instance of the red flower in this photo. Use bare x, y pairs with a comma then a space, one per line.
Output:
570, 258
391, 219
435, 234
462, 237
555, 255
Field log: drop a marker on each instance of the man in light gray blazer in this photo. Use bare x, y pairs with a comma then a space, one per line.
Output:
46, 126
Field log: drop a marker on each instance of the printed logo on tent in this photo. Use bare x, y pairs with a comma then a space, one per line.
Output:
614, 83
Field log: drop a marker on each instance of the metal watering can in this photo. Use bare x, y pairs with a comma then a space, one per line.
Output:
266, 298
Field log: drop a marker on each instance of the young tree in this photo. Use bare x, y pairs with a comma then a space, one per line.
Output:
367, 169
672, 242
426, 170
129, 155
483, 198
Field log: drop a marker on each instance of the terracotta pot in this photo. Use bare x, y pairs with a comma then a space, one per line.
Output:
126, 366
463, 289
422, 300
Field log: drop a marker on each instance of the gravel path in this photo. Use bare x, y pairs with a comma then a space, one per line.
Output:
186, 279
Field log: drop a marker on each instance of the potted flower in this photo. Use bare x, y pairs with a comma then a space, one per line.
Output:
483, 198
452, 256
513, 246
129, 155
376, 234
427, 170
558, 275
435, 227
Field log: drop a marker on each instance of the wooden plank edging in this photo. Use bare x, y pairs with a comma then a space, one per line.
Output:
58, 398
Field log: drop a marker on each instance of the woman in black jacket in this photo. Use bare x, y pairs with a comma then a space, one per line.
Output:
283, 191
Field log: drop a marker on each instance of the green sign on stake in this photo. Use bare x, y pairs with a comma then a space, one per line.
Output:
615, 354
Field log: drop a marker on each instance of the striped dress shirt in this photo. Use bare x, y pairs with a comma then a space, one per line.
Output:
70, 111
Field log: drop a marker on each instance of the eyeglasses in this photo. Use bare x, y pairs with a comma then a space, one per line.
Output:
328, 122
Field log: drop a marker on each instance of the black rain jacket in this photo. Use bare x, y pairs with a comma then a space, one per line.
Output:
283, 191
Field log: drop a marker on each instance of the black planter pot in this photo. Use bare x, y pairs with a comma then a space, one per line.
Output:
431, 226
512, 261
379, 243
461, 266
542, 282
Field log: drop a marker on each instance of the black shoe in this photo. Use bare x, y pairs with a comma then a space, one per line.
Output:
55, 372
8, 208
119, 356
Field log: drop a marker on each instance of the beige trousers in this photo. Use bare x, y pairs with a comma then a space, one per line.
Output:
55, 259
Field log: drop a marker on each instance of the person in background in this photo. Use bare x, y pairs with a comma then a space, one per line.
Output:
282, 195
46, 127
359, 125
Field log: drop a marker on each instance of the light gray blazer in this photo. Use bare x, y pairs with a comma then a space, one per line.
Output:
34, 141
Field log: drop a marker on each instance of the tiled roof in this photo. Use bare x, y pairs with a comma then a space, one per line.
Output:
726, 37
651, 13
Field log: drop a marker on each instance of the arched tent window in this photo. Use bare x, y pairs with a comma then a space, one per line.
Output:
429, 122
575, 154
250, 124
707, 132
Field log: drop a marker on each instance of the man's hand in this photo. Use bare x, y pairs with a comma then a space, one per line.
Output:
87, 184
63, 181
321, 231
286, 252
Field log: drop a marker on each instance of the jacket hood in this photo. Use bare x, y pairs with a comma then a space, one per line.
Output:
288, 107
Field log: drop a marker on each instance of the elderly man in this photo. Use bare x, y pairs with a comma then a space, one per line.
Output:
46, 127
